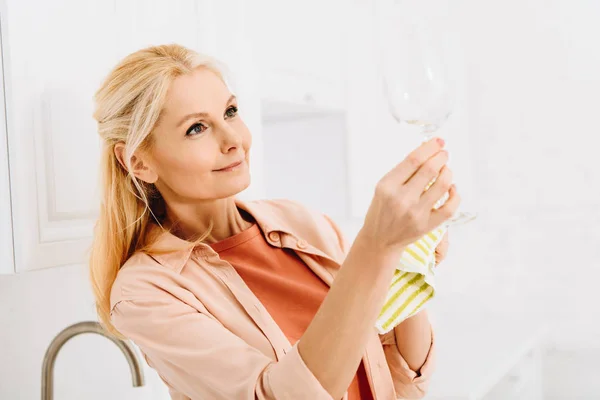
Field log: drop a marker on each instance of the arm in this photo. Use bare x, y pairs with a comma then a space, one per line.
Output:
334, 342
414, 336
399, 214
408, 383
413, 339
409, 347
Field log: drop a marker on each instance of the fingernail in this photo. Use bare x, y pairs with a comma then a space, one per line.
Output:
440, 141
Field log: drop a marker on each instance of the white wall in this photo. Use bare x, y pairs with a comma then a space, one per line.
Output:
532, 80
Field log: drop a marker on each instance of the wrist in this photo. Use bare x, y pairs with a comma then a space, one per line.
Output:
368, 244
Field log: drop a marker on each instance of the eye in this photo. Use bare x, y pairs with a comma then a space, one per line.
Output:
195, 129
231, 112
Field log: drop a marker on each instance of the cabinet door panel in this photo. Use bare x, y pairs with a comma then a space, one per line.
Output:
54, 63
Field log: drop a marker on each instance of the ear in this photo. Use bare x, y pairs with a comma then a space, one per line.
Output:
140, 167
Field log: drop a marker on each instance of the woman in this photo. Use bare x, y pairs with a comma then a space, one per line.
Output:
236, 300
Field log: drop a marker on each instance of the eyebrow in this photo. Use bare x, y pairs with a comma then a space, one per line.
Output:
201, 114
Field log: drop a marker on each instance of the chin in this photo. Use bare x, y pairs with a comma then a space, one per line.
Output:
237, 186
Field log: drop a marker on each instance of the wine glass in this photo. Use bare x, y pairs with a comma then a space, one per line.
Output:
416, 84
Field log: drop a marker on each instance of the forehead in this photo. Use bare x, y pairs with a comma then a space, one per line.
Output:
199, 91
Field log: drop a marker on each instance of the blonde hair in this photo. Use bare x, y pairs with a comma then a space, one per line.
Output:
128, 106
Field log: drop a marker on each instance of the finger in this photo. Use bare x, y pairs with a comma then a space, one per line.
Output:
428, 171
411, 164
443, 244
442, 248
446, 211
438, 189
439, 258
446, 239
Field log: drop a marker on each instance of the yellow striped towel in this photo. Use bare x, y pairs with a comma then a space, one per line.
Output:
413, 283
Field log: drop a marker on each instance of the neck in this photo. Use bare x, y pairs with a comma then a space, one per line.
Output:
193, 220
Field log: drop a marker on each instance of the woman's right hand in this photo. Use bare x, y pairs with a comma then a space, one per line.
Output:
401, 211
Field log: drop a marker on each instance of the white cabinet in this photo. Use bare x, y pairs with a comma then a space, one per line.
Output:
55, 56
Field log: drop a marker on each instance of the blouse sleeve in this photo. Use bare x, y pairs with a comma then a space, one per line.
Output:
409, 384
197, 356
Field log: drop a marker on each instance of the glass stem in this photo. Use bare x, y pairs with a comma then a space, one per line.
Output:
428, 131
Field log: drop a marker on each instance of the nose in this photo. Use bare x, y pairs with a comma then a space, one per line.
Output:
230, 138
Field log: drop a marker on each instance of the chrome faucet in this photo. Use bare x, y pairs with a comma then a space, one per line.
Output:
57, 343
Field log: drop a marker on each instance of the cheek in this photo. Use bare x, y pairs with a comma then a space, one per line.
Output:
187, 166
246, 138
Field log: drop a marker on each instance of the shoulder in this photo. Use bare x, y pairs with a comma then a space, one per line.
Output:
141, 277
285, 208
294, 216
303, 222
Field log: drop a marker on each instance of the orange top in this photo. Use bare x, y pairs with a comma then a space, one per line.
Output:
288, 289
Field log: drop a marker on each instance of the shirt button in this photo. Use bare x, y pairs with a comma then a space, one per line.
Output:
274, 236
302, 244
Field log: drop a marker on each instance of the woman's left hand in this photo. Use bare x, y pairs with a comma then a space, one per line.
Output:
441, 251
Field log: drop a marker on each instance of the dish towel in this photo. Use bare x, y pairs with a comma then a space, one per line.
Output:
413, 284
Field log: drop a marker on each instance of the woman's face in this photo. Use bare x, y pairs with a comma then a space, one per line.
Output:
198, 136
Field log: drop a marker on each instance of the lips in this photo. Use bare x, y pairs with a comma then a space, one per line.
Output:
235, 164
